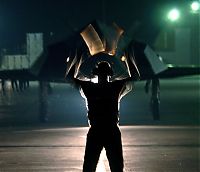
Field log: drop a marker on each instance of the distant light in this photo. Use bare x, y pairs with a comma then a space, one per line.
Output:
173, 15
160, 58
67, 60
195, 6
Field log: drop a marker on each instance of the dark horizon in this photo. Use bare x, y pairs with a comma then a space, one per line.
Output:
61, 18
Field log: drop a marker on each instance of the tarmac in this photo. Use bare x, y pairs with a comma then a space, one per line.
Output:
61, 149
170, 145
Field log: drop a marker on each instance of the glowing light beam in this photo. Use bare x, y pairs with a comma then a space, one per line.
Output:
101, 166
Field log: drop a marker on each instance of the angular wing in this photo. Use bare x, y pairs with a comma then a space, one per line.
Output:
151, 65
173, 71
56, 59
147, 61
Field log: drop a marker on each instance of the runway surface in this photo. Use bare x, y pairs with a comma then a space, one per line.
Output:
61, 149
169, 145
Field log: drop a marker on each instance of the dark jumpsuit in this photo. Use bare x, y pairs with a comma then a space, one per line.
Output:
103, 114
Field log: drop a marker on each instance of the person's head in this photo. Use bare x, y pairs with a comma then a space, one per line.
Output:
103, 70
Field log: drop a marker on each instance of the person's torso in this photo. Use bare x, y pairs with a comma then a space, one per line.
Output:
102, 100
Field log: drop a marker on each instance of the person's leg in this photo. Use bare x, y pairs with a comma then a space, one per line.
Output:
92, 151
114, 151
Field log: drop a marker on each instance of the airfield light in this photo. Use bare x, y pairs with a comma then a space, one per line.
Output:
173, 15
123, 58
67, 60
195, 6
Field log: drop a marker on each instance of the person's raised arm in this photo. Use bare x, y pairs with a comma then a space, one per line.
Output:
127, 86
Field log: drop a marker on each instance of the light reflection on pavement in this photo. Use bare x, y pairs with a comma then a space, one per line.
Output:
146, 149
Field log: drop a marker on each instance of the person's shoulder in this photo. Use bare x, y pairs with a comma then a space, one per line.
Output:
86, 83
77, 83
122, 82
118, 83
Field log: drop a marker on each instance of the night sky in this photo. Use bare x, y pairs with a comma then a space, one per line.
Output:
60, 18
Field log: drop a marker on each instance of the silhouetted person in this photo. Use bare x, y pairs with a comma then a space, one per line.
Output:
155, 96
103, 100
14, 85
3, 86
21, 84
43, 100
